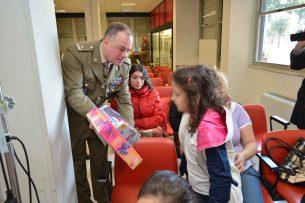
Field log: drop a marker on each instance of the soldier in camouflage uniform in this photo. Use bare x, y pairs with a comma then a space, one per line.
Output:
93, 73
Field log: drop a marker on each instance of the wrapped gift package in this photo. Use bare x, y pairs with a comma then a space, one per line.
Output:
115, 133
128, 132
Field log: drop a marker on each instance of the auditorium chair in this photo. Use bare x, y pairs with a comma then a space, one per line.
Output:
156, 82
164, 91
151, 75
269, 166
157, 154
258, 118
162, 68
166, 77
148, 69
166, 105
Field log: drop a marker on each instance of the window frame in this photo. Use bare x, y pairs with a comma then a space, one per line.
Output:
259, 38
218, 26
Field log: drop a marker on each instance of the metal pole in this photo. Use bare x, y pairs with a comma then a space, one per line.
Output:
9, 156
1, 195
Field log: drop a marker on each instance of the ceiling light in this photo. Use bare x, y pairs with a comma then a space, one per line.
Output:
128, 4
60, 11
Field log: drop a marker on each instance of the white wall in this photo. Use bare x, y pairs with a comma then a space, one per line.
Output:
208, 52
93, 20
103, 20
238, 40
30, 71
186, 32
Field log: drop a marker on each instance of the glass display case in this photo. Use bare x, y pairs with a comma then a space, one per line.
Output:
162, 48
155, 48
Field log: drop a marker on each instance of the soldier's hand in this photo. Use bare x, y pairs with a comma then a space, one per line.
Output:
91, 126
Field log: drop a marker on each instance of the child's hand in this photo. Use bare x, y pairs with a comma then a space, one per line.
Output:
239, 161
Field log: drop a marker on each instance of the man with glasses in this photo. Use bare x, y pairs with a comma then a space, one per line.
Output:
94, 72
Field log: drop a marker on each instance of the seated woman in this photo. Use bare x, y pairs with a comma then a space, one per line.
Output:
244, 145
149, 117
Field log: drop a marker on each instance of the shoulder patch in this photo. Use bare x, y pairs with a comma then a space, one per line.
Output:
84, 46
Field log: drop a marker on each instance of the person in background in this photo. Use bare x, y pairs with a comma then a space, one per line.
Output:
174, 119
297, 62
150, 120
244, 144
205, 135
148, 110
165, 187
145, 51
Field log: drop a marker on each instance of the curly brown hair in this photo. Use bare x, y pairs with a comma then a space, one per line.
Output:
201, 85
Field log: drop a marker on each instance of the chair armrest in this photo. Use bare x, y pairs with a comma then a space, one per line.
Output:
279, 120
273, 166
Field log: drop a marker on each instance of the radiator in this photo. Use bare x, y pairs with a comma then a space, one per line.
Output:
278, 105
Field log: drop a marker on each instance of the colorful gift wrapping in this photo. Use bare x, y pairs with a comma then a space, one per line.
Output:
110, 112
129, 133
109, 134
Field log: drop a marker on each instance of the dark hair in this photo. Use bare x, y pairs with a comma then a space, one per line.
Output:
168, 187
199, 82
142, 69
114, 28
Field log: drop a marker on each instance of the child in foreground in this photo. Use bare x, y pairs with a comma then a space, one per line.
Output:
205, 135
166, 187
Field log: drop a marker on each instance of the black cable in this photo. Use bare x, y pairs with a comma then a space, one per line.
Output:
28, 166
9, 193
4, 173
31, 180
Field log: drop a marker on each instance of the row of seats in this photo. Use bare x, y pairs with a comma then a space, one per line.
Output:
161, 72
160, 77
129, 181
164, 81
153, 151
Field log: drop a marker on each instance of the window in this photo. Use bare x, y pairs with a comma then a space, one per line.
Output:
277, 20
211, 23
70, 31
